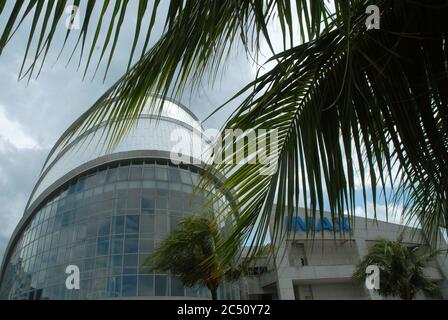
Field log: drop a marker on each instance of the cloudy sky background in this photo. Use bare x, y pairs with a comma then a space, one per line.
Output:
33, 115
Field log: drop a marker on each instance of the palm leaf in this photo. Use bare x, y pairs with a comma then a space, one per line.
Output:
344, 98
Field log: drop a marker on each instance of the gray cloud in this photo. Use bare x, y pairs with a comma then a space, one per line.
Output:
42, 109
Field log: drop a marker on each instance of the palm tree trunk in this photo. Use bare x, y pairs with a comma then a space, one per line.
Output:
407, 296
213, 285
214, 293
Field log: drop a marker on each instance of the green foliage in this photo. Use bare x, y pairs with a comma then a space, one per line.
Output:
347, 101
189, 253
401, 269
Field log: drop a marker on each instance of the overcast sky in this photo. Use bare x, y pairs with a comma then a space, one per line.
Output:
33, 115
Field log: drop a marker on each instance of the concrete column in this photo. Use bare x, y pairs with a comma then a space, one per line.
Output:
285, 289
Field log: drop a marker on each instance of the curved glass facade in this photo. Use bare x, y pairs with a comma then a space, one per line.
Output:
105, 213
106, 223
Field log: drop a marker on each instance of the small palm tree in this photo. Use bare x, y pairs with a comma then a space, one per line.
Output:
345, 99
401, 269
189, 252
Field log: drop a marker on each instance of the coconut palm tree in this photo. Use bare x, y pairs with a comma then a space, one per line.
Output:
356, 109
186, 249
401, 269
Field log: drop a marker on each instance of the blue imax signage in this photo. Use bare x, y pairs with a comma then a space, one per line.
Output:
297, 224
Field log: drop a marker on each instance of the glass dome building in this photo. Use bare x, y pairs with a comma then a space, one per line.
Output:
105, 211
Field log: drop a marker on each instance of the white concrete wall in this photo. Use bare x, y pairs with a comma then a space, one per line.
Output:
333, 291
330, 263
330, 252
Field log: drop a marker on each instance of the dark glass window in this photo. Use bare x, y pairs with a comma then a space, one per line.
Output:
132, 224
100, 263
134, 199
114, 286
107, 205
174, 221
104, 226
148, 173
147, 224
123, 173
131, 244
175, 203
174, 175
121, 204
112, 175
143, 267
161, 173
146, 286
161, 203
135, 173
129, 286
130, 263
80, 185
160, 225
117, 244
117, 261
130, 260
103, 246
91, 181
185, 177
146, 246
177, 288
147, 202
161, 285
91, 228
118, 225
67, 218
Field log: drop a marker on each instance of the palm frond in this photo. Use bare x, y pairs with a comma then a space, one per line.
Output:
347, 101
338, 101
401, 269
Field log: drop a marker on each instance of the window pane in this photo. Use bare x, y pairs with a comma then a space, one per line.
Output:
143, 267
112, 175
123, 173
174, 221
118, 225
160, 226
132, 224
161, 285
161, 203
177, 289
146, 285
147, 224
136, 173
121, 203
117, 245
131, 244
174, 175
185, 176
133, 199
130, 263
106, 205
104, 226
161, 173
146, 246
117, 261
130, 260
147, 201
114, 286
103, 246
175, 203
148, 173
129, 286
